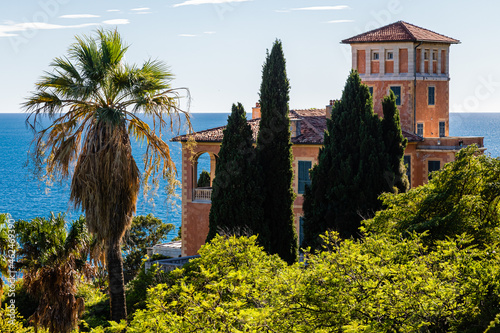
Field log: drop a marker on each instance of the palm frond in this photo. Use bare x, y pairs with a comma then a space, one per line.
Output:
112, 47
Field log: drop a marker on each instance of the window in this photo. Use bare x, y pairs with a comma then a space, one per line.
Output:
430, 97
301, 231
420, 129
297, 128
426, 55
389, 55
434, 55
407, 162
397, 91
375, 56
304, 167
371, 90
442, 128
432, 166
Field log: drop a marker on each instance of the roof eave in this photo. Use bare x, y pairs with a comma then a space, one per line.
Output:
346, 41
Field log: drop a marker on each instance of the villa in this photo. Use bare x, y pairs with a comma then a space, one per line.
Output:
411, 61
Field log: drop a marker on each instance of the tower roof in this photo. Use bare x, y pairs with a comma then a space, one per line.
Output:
400, 32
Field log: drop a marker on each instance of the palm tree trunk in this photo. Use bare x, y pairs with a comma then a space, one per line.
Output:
116, 282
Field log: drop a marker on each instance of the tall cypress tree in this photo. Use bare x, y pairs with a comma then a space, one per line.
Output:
236, 190
352, 169
274, 151
395, 142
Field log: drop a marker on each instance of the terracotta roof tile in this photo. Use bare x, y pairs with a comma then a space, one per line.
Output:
412, 137
398, 32
312, 128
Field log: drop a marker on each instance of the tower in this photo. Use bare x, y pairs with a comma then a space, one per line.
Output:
413, 62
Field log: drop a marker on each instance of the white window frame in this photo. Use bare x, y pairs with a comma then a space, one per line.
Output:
422, 129
426, 54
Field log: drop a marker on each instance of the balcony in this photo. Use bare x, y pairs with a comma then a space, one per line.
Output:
202, 194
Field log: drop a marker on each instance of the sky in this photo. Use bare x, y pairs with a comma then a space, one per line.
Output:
216, 48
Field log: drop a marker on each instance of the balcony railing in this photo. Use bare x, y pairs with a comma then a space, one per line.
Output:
202, 194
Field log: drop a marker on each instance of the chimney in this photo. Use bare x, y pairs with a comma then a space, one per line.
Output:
329, 109
256, 111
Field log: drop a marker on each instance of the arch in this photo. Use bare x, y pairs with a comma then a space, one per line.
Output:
203, 160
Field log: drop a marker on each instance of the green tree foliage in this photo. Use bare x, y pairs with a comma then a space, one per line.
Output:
146, 231
394, 142
463, 197
12, 322
236, 198
25, 303
274, 151
94, 101
96, 307
204, 179
5, 246
352, 169
228, 289
54, 261
379, 284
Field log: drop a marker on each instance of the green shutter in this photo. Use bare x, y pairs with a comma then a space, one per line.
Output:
304, 167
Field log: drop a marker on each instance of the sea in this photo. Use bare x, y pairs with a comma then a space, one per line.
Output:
25, 197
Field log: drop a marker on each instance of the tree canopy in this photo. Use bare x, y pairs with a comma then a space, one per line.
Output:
379, 284
53, 260
274, 151
463, 197
237, 197
352, 169
394, 142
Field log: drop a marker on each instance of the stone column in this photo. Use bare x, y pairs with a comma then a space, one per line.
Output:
395, 55
381, 61
368, 60
422, 60
439, 61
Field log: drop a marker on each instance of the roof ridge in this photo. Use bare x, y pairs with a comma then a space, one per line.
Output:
429, 30
403, 23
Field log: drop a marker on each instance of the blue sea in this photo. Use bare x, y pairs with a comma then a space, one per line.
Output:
25, 197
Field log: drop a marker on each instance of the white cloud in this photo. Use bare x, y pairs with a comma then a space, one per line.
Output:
140, 9
12, 29
340, 7
142, 13
203, 2
209, 32
78, 16
340, 21
113, 10
9, 30
186, 35
282, 10
116, 22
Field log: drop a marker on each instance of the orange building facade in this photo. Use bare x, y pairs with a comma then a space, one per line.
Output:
411, 61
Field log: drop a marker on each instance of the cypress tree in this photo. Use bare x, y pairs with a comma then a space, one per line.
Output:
352, 168
395, 142
274, 151
236, 194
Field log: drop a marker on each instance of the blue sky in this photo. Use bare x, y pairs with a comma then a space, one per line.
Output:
216, 48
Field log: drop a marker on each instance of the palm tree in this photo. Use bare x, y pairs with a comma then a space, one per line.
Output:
102, 98
53, 261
